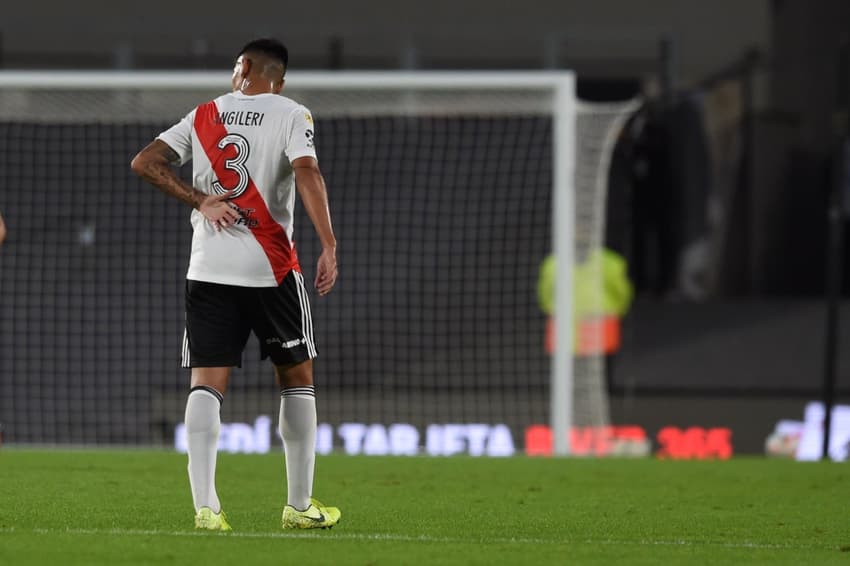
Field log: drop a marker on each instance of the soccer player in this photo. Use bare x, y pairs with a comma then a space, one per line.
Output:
2, 230
251, 150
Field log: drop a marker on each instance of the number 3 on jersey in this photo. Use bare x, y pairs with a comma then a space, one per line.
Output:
235, 163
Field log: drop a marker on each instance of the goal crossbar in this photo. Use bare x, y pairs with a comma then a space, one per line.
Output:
372, 80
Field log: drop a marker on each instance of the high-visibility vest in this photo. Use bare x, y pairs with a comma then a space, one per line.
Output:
602, 294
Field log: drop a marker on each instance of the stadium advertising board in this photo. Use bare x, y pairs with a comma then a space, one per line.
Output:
803, 440
692, 443
494, 440
398, 439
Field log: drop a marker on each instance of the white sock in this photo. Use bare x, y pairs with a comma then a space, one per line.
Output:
203, 423
298, 429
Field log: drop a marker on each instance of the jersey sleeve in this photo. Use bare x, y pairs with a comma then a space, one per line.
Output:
179, 137
301, 141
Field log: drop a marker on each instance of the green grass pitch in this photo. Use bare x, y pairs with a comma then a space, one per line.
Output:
134, 507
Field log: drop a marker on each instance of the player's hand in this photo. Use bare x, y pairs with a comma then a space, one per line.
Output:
219, 211
326, 272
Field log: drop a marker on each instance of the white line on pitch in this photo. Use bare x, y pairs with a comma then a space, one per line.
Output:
407, 538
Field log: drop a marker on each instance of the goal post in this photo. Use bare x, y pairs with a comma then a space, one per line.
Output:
436, 136
563, 248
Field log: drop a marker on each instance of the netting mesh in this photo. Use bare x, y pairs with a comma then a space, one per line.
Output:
442, 213
597, 128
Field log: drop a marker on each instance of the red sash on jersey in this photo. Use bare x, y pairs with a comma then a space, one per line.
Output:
271, 235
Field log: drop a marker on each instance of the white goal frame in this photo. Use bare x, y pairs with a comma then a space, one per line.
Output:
559, 84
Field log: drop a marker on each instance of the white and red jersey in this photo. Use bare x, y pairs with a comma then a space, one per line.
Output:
245, 144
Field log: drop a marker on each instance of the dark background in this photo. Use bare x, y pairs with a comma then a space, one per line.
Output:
718, 198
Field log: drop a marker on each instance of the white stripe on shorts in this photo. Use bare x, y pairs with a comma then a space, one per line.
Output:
186, 359
306, 315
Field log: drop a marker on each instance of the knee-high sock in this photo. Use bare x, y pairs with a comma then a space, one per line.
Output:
298, 429
203, 423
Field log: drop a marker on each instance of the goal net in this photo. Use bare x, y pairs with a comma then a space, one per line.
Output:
446, 191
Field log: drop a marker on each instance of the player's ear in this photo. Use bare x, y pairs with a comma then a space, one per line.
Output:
247, 65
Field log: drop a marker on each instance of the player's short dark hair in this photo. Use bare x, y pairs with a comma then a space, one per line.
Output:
269, 47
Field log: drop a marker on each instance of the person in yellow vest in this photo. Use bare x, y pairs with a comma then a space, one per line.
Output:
602, 294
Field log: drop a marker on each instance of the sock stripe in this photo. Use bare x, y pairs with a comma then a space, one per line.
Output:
304, 391
210, 390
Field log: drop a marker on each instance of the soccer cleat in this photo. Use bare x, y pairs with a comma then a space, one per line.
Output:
207, 520
316, 516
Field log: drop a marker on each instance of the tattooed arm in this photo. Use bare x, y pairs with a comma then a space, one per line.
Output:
155, 164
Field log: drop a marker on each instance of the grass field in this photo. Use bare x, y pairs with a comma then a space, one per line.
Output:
134, 507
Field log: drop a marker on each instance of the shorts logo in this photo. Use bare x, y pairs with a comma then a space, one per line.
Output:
285, 345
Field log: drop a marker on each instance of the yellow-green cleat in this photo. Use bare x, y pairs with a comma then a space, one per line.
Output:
316, 516
206, 520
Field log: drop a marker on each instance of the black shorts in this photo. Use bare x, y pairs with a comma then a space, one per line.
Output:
219, 319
